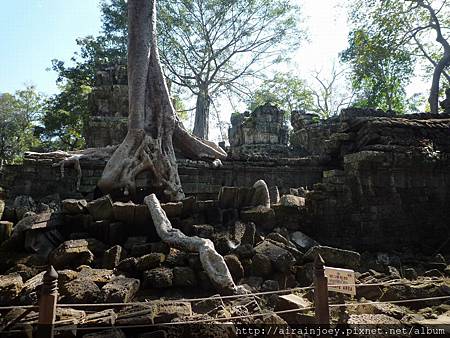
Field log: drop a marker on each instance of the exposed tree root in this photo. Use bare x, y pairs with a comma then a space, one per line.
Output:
153, 126
73, 158
195, 148
212, 262
140, 152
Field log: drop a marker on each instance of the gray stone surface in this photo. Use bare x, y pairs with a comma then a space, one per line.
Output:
71, 254
158, 278
335, 257
120, 290
281, 259
101, 208
10, 287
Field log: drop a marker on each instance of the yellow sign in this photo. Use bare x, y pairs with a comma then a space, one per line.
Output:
341, 280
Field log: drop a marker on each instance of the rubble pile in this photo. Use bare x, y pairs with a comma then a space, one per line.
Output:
108, 252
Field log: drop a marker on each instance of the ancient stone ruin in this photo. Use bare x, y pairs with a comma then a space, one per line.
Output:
366, 190
261, 132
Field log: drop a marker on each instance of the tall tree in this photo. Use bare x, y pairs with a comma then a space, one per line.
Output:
380, 70
208, 46
19, 115
153, 125
330, 91
411, 26
153, 130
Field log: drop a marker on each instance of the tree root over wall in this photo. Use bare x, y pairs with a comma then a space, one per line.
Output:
212, 262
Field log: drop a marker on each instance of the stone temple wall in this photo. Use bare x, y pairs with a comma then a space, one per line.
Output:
37, 178
108, 105
376, 181
263, 131
391, 186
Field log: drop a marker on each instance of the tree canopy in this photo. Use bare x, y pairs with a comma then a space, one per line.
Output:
387, 40
285, 91
19, 113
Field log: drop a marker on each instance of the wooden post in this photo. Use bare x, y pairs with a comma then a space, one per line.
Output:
321, 292
47, 304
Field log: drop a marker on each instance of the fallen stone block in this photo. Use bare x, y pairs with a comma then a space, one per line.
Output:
80, 291
292, 201
23, 204
202, 230
71, 316
73, 206
101, 208
128, 265
207, 305
261, 216
304, 274
254, 283
356, 321
120, 290
292, 302
112, 257
167, 311
98, 276
391, 310
261, 265
302, 241
158, 278
10, 288
26, 272
66, 275
271, 319
103, 318
245, 251
97, 247
28, 293
335, 257
244, 233
150, 261
42, 241
270, 285
281, 259
71, 254
235, 267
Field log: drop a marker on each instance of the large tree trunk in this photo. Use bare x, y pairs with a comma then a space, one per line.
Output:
444, 62
434, 91
201, 124
153, 125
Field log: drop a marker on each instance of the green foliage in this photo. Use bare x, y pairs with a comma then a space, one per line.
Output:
380, 70
389, 38
214, 45
19, 114
66, 113
284, 91
64, 117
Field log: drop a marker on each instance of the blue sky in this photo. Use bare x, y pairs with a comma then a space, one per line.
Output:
33, 32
